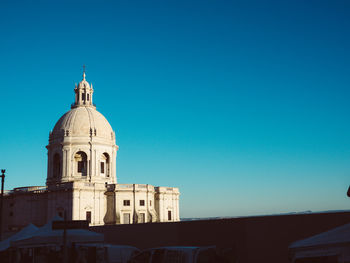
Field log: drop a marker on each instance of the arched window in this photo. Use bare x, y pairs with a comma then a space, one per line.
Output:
56, 171
105, 165
81, 163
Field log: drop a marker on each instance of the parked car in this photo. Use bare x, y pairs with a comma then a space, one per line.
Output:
179, 255
104, 253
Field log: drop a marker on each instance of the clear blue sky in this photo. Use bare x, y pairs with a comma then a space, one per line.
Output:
243, 105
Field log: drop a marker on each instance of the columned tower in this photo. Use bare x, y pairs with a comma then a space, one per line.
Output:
83, 93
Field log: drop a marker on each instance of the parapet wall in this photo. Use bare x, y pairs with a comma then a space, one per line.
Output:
252, 239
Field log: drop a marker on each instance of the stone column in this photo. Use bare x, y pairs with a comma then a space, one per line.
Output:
49, 170
68, 162
64, 163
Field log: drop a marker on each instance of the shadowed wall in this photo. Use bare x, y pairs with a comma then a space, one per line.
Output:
253, 239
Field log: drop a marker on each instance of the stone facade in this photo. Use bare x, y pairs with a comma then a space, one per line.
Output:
81, 177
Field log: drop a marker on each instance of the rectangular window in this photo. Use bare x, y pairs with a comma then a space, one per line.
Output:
87, 96
102, 167
126, 202
142, 218
83, 96
126, 218
169, 215
150, 202
88, 216
142, 202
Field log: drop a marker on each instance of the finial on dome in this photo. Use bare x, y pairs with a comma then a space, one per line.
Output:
83, 72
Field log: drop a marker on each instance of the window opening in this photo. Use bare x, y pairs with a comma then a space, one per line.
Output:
142, 202
88, 216
126, 202
169, 215
80, 166
81, 161
56, 165
106, 166
102, 167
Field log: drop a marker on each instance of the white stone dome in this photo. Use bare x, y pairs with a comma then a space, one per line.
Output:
83, 121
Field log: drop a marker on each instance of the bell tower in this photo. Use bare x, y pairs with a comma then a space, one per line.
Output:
83, 93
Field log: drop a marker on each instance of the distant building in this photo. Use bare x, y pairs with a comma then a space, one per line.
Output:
81, 177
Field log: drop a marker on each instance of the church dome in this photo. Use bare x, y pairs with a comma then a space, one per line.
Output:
83, 121
82, 144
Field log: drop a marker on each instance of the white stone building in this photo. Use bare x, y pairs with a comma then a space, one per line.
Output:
81, 177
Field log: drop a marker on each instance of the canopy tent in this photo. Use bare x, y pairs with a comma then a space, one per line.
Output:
45, 235
26, 232
333, 243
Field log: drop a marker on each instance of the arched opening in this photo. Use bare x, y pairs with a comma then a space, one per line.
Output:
56, 170
105, 165
81, 163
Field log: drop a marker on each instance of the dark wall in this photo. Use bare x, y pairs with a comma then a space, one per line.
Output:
253, 239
